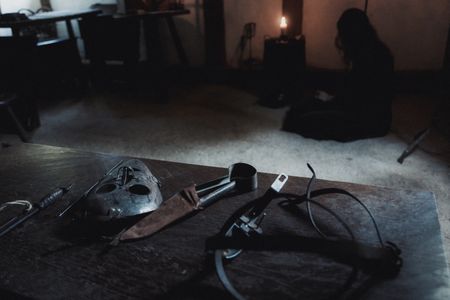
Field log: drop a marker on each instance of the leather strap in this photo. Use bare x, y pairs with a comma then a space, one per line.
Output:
383, 261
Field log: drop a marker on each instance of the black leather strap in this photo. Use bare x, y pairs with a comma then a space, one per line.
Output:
383, 261
379, 261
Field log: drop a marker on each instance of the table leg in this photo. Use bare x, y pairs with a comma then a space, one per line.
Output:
15, 31
153, 43
177, 41
156, 58
19, 127
70, 29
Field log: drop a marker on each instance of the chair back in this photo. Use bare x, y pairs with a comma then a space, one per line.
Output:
16, 62
107, 37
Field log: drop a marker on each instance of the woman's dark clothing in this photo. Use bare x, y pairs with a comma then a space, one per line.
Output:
362, 106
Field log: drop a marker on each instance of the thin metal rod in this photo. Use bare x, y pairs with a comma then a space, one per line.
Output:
65, 210
18, 221
7, 224
45, 202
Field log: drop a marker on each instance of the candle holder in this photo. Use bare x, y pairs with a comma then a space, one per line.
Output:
284, 71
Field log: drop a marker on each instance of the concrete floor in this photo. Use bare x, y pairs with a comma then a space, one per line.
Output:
219, 125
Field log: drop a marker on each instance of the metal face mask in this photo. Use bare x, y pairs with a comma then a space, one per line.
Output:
129, 189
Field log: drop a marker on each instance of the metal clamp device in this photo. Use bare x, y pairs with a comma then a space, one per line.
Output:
250, 223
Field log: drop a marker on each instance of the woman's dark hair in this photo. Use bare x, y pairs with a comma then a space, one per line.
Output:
354, 33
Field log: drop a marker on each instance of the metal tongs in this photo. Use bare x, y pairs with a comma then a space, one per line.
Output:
250, 223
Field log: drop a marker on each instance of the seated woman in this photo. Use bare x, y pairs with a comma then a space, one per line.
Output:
361, 107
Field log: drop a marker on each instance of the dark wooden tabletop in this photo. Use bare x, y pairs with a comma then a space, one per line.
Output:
44, 259
55, 16
50, 17
153, 14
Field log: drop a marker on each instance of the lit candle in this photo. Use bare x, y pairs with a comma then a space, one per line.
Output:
283, 23
283, 26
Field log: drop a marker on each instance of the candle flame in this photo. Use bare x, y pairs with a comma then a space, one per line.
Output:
283, 23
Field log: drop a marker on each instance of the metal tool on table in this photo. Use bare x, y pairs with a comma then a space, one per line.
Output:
381, 262
244, 226
241, 178
35, 208
249, 223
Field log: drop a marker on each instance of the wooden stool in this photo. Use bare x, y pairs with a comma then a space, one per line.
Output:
6, 101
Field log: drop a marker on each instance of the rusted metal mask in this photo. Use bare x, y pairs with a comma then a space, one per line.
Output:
128, 190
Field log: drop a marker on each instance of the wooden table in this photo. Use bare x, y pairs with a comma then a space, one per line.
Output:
153, 38
42, 260
50, 17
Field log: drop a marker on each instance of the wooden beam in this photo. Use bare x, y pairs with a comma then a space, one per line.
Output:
214, 33
447, 53
293, 11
